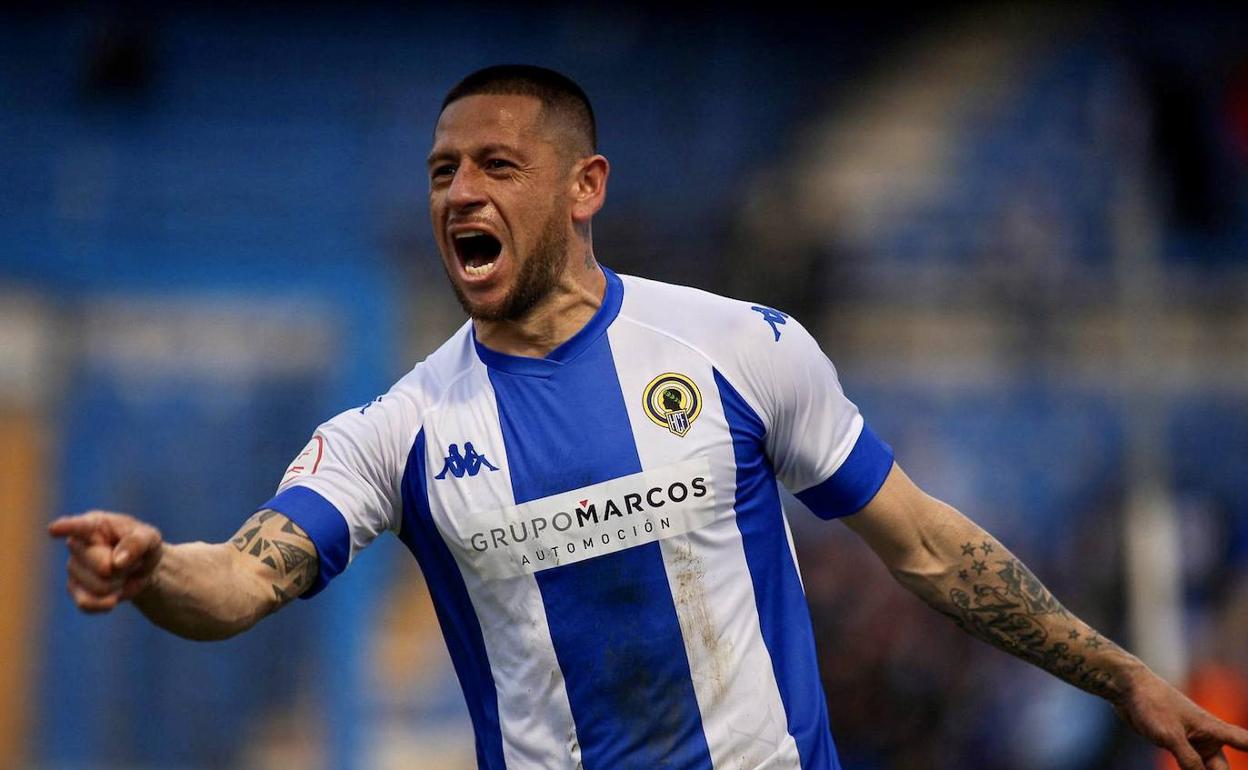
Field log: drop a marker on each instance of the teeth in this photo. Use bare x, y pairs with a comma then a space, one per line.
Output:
477, 271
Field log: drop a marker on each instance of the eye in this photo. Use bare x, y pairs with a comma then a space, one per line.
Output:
498, 164
442, 171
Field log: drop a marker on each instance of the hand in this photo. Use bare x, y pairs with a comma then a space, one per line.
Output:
112, 557
1169, 719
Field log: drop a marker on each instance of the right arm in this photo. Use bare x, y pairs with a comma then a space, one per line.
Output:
198, 591
215, 591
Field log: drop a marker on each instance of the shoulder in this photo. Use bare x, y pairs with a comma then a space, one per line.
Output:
400, 411
426, 385
721, 328
766, 356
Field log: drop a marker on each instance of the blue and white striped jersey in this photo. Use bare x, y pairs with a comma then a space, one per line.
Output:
601, 529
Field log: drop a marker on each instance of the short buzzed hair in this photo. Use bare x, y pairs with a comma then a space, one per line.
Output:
560, 97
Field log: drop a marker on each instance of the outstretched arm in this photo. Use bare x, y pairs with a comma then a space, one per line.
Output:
963, 572
196, 590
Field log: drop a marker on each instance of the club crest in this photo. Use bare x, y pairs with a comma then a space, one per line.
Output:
672, 401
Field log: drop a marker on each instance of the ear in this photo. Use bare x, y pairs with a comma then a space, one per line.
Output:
589, 187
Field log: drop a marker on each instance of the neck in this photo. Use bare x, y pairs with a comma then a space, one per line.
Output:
552, 321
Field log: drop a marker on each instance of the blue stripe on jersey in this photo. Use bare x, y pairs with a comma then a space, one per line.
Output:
612, 619
855, 482
322, 522
456, 615
782, 612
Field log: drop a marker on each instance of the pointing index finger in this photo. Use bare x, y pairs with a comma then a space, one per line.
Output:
81, 526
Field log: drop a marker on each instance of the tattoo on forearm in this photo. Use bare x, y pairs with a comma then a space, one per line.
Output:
1000, 601
279, 544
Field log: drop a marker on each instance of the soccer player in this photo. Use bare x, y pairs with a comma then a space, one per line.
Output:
587, 474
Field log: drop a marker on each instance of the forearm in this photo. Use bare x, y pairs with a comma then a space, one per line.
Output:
964, 573
204, 592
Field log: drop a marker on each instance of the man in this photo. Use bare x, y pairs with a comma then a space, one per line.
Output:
607, 553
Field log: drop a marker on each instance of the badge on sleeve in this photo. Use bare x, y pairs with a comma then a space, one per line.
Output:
306, 463
672, 401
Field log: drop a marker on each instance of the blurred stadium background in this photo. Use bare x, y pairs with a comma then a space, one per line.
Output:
1021, 233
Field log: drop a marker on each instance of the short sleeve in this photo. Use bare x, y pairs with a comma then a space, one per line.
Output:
816, 439
343, 488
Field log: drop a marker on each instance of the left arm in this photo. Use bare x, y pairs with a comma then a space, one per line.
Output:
963, 572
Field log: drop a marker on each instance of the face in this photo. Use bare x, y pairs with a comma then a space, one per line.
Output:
499, 200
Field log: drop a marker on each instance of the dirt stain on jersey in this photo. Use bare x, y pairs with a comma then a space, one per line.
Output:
715, 662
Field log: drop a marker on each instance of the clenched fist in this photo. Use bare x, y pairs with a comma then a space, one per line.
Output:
112, 557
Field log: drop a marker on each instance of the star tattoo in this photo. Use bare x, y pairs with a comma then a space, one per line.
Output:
968, 550
979, 567
1073, 635
987, 547
1092, 642
963, 575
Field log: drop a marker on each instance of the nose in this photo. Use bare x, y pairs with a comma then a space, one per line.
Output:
467, 190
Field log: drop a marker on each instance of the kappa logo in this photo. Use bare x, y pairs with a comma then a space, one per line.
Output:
773, 317
469, 462
672, 401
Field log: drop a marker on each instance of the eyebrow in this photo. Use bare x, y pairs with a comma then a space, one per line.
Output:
485, 149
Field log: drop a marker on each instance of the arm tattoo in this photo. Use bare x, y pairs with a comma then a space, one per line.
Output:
279, 544
997, 599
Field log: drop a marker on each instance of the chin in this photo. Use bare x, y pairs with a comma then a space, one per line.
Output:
483, 312
483, 308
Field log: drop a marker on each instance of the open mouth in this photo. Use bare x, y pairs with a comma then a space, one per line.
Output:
477, 251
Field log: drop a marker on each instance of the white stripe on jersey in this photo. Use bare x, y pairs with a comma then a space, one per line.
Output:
533, 710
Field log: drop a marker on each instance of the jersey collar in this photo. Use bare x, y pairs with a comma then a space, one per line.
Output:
612, 299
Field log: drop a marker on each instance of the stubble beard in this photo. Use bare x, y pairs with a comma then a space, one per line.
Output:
539, 274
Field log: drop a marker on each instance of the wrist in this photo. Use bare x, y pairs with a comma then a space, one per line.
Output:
1129, 675
150, 585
